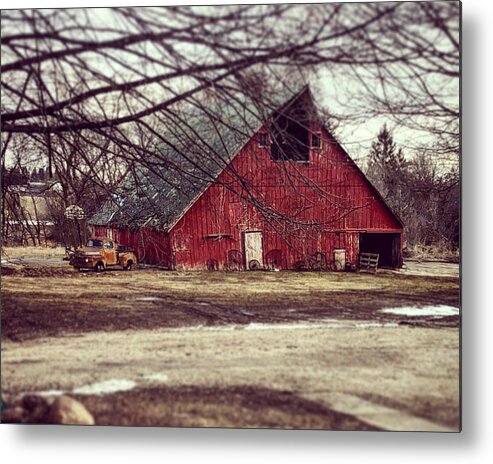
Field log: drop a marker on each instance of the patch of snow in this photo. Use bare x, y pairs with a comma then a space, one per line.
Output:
206, 328
370, 325
107, 386
315, 325
145, 298
294, 326
329, 324
159, 377
49, 393
247, 313
415, 311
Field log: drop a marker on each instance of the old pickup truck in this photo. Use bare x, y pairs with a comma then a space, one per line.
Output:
101, 253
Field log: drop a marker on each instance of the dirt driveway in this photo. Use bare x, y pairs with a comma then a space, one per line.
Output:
431, 268
387, 376
288, 350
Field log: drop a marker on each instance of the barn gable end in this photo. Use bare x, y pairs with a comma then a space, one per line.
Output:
300, 210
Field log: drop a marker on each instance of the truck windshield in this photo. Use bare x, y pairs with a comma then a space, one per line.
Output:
94, 243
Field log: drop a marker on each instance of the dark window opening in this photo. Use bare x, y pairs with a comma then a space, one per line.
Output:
262, 139
316, 142
289, 135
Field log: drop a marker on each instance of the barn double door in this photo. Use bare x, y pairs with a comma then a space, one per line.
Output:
254, 254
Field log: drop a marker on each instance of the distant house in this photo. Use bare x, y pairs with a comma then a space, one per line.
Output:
28, 218
240, 194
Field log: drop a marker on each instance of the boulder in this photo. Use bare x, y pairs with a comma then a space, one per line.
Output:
66, 410
36, 408
14, 415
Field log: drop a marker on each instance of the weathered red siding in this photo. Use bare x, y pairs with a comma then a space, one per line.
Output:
151, 246
327, 199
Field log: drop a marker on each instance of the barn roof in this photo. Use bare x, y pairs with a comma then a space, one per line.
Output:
198, 141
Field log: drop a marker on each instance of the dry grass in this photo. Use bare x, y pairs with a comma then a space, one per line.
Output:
67, 301
20, 252
240, 407
436, 252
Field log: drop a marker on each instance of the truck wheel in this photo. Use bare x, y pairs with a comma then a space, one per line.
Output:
129, 266
99, 267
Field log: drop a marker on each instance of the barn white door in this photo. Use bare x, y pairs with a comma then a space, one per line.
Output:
253, 250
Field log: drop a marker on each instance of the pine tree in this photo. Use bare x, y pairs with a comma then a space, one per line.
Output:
387, 169
384, 152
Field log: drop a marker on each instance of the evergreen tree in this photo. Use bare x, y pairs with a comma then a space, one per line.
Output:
425, 198
13, 176
387, 169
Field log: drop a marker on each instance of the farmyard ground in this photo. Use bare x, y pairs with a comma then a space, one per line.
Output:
282, 350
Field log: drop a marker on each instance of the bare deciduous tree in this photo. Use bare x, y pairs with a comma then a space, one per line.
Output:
119, 80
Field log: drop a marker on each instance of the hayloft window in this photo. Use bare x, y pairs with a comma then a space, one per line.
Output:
316, 140
290, 135
262, 140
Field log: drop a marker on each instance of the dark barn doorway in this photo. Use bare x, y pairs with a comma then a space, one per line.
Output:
387, 245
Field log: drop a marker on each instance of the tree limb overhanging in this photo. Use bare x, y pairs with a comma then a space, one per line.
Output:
97, 90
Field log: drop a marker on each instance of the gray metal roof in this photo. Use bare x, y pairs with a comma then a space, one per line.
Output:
197, 141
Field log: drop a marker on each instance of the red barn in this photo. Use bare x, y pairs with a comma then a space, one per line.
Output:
278, 194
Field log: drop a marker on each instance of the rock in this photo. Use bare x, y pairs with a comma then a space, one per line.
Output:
36, 408
66, 410
14, 415
32, 402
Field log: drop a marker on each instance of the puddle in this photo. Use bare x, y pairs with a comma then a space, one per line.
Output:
107, 386
415, 311
158, 377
